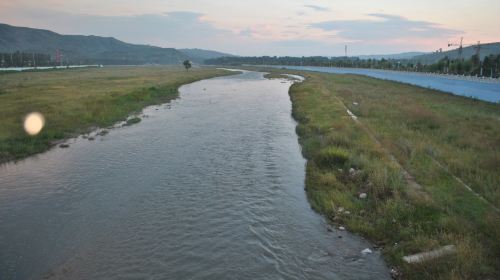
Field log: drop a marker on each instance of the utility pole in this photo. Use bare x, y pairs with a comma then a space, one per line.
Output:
461, 48
478, 49
346, 51
58, 57
478, 54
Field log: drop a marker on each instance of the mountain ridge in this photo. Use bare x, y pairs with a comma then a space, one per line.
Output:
404, 55
486, 50
91, 49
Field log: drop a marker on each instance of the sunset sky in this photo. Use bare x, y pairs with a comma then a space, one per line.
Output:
268, 27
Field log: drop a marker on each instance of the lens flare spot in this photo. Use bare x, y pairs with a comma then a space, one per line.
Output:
33, 123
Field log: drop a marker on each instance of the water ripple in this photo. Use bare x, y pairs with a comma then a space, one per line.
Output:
210, 188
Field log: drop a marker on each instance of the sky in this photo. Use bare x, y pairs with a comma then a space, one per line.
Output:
269, 27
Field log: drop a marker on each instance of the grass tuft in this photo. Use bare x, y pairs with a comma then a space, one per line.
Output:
331, 157
132, 121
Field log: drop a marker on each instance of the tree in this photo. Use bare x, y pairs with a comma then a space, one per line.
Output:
497, 63
187, 64
488, 65
476, 66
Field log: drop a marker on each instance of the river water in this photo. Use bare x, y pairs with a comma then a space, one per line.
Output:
210, 186
481, 89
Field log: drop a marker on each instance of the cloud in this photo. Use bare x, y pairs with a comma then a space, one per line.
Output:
294, 46
180, 29
247, 32
380, 33
317, 8
384, 27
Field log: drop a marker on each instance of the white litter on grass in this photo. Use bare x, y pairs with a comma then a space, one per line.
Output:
424, 256
352, 115
341, 228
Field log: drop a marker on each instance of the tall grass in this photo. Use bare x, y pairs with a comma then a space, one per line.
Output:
419, 127
76, 101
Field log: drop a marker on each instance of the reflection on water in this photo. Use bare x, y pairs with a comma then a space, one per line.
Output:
212, 188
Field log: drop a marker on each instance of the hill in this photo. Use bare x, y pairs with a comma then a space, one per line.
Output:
486, 50
405, 55
201, 55
79, 49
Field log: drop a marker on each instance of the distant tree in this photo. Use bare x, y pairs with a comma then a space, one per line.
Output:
460, 67
470, 66
187, 64
488, 65
497, 64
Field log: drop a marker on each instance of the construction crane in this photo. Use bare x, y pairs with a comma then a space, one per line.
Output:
461, 45
478, 52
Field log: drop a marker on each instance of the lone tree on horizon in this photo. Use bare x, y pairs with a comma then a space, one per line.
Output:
187, 64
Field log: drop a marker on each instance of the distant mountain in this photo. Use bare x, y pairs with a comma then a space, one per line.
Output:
467, 52
201, 55
91, 49
429, 58
406, 55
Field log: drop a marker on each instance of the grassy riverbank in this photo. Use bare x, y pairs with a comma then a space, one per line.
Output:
442, 141
77, 100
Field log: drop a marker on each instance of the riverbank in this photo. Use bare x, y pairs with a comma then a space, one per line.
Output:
393, 162
477, 89
77, 101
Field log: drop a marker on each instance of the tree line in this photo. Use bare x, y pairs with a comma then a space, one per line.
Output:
474, 66
25, 59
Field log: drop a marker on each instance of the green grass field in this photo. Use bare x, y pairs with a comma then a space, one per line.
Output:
78, 100
436, 137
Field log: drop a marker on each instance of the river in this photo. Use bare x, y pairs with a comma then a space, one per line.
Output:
210, 186
483, 89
